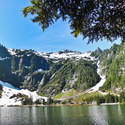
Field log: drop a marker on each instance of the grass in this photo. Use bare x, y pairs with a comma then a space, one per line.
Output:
66, 94
58, 95
41, 94
88, 97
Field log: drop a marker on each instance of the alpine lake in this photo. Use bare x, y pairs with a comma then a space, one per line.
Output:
63, 115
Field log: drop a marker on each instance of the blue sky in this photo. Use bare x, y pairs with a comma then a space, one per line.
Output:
19, 32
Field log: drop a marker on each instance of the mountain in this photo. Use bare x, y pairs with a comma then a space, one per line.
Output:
67, 75
48, 73
16, 68
97, 52
114, 68
72, 74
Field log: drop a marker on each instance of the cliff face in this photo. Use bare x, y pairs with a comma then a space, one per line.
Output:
16, 68
114, 68
79, 75
52, 73
48, 73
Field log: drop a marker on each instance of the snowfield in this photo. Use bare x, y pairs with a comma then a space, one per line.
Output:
5, 84
63, 54
12, 51
66, 55
9, 91
99, 84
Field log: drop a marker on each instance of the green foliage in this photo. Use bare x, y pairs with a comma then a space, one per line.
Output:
38, 102
38, 62
49, 101
13, 64
66, 94
122, 97
33, 81
0, 93
96, 97
24, 98
5, 73
79, 75
94, 19
108, 55
24, 64
58, 95
41, 94
1, 90
21, 66
27, 100
114, 64
109, 98
4, 52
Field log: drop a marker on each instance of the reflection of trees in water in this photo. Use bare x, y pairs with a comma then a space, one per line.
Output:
107, 115
98, 115
75, 115
63, 115
120, 112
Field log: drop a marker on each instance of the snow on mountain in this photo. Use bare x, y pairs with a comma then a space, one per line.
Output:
5, 84
70, 55
66, 55
9, 91
100, 83
39, 70
63, 54
12, 51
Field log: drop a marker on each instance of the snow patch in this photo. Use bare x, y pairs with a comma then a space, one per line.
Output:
39, 70
66, 55
27, 67
9, 91
1, 59
7, 85
100, 83
12, 51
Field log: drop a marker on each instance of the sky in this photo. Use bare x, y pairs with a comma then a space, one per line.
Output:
18, 32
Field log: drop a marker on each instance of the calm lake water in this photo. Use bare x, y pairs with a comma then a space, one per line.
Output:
63, 115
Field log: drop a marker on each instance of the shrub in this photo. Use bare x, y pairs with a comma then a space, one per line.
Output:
27, 101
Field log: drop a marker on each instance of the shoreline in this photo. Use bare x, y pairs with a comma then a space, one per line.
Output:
55, 105
111, 103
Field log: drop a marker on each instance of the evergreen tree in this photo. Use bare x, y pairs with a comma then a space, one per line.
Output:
4, 52
13, 64
94, 19
33, 63
21, 66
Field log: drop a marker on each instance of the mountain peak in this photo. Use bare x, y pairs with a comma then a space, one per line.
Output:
98, 49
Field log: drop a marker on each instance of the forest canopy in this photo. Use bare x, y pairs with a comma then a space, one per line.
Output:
93, 19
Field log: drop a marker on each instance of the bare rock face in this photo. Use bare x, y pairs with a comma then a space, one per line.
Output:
49, 73
1, 88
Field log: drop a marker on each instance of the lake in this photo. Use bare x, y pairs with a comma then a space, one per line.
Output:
63, 115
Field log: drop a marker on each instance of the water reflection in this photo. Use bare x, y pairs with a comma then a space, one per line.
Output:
65, 115
107, 115
98, 115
